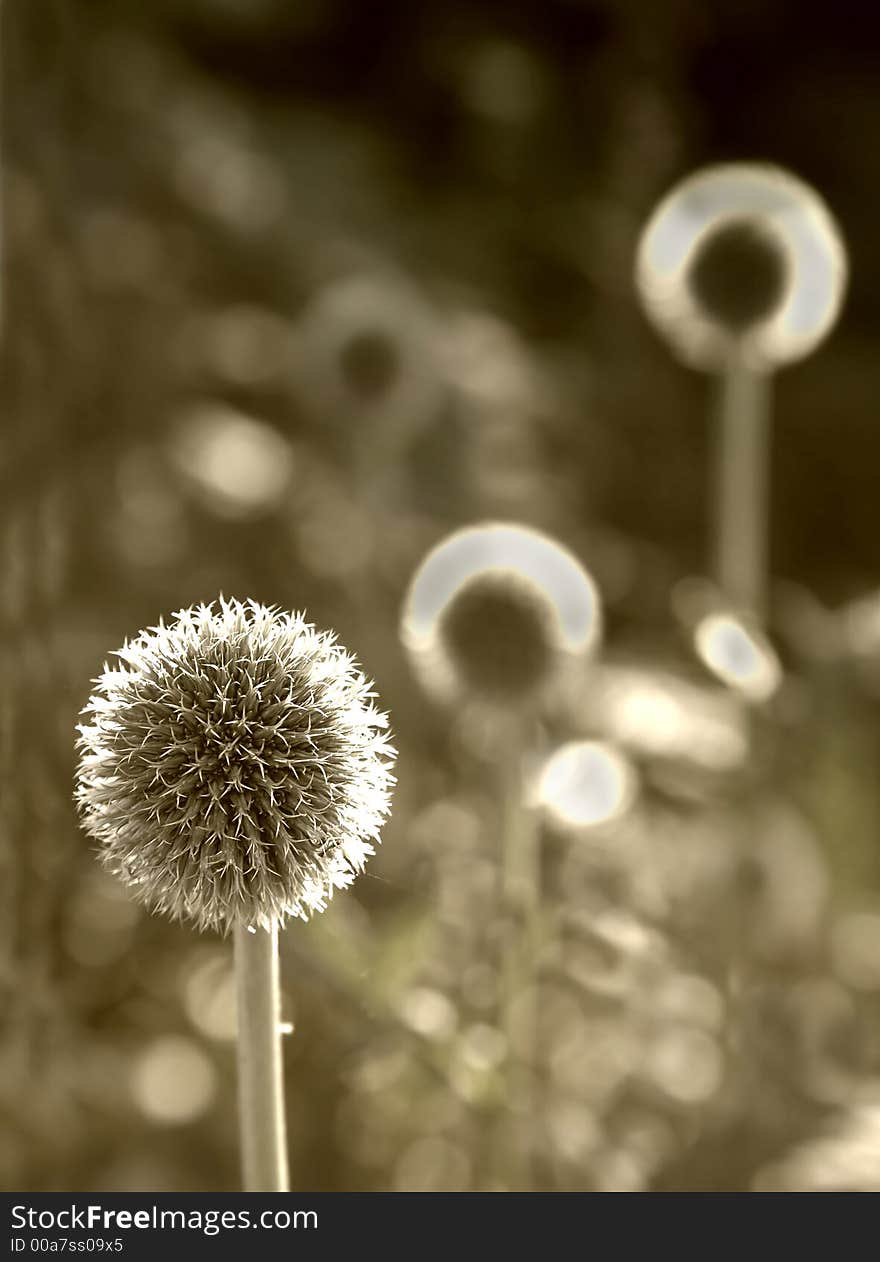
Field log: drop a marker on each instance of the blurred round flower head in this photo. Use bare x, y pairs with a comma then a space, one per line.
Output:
742, 261
489, 364
367, 353
496, 613
584, 784
739, 655
233, 768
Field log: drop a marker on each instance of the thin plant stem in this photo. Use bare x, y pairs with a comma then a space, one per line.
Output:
521, 913
260, 1076
741, 562
742, 573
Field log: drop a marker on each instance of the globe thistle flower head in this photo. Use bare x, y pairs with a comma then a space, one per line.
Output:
496, 613
742, 261
233, 767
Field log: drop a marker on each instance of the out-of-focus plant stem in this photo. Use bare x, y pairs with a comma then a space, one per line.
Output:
742, 575
521, 915
741, 528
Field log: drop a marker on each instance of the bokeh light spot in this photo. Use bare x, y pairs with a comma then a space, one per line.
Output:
428, 1012
685, 1064
585, 783
240, 466
173, 1081
738, 655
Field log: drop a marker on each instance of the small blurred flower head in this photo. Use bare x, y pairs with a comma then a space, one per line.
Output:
496, 614
739, 655
233, 767
742, 261
584, 784
367, 354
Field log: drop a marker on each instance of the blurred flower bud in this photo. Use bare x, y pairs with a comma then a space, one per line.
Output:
742, 261
496, 613
500, 631
739, 274
367, 357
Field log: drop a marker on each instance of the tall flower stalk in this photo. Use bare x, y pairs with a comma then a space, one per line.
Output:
235, 772
742, 270
498, 619
742, 487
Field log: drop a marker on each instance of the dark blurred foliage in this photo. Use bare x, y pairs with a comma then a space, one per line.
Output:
201, 198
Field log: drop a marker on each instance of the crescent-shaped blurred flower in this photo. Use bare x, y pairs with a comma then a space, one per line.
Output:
496, 613
742, 260
233, 767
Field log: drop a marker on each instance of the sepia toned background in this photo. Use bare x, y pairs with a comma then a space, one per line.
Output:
290, 291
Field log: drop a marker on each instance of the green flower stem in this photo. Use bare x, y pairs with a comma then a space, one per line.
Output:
741, 563
260, 1071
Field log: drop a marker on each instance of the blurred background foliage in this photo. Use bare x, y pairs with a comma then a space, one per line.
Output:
290, 291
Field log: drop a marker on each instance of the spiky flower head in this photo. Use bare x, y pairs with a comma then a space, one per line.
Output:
233, 767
